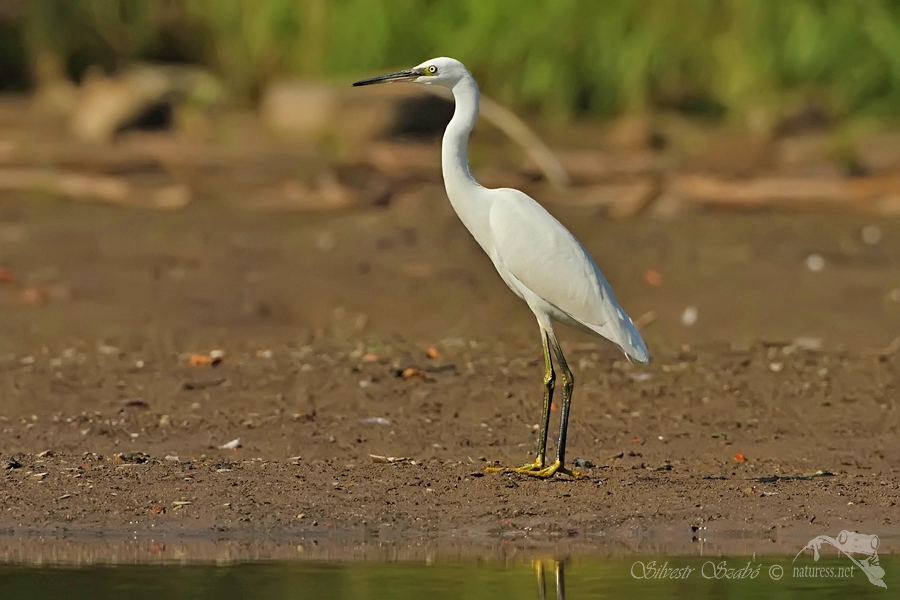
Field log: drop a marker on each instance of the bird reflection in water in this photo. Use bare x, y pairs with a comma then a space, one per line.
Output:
558, 566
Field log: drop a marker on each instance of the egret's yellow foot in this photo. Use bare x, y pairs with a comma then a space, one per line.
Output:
537, 465
535, 469
529, 468
553, 469
526, 468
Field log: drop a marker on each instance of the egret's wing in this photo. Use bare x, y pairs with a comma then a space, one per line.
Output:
547, 259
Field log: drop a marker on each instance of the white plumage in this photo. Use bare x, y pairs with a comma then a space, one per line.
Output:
548, 268
537, 257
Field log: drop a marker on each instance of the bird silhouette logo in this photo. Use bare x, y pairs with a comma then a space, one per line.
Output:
849, 543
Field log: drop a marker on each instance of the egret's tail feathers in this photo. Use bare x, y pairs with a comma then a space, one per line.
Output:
635, 347
630, 339
621, 331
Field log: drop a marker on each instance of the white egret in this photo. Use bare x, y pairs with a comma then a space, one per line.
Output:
537, 257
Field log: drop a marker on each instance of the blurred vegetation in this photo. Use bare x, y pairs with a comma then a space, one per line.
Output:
562, 57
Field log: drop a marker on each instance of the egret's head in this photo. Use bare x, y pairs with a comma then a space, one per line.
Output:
437, 71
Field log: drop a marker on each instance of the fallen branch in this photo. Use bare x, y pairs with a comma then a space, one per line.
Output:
879, 194
92, 188
621, 199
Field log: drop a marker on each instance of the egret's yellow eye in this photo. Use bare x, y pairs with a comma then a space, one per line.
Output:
431, 70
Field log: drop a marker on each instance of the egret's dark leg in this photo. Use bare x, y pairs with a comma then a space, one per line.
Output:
537, 468
549, 385
568, 385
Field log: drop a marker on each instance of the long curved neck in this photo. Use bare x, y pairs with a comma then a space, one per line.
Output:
454, 148
462, 189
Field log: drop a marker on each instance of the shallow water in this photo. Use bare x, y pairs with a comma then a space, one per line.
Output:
688, 577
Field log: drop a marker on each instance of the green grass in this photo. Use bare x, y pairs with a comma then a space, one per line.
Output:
561, 57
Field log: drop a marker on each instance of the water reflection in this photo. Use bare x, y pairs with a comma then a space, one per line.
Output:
559, 571
579, 577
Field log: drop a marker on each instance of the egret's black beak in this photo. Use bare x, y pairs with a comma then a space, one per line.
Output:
406, 75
